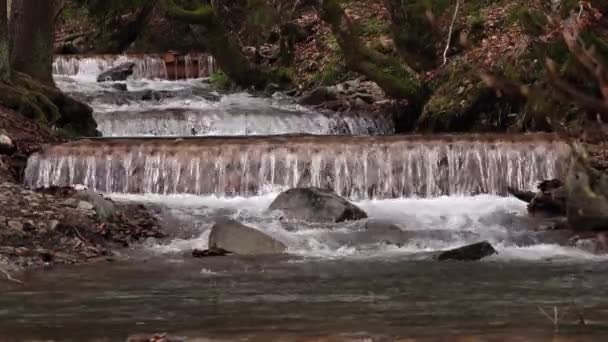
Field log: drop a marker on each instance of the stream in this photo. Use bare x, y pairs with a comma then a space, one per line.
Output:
192, 155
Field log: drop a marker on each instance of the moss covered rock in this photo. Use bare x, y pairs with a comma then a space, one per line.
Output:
455, 99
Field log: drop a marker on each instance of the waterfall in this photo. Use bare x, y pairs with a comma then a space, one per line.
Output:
146, 66
219, 119
356, 167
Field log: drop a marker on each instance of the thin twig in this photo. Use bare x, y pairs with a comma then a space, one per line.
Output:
447, 45
554, 319
80, 235
10, 277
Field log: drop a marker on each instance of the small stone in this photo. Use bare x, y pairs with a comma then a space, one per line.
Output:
15, 225
70, 202
53, 224
6, 144
84, 205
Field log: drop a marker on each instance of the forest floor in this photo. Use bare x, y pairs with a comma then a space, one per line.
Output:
59, 225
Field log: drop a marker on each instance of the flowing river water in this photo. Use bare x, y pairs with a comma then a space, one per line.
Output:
192, 156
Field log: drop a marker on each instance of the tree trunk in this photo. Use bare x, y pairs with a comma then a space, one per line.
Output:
4, 52
32, 30
225, 48
396, 80
125, 36
413, 32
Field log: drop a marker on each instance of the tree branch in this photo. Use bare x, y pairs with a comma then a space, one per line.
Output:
447, 45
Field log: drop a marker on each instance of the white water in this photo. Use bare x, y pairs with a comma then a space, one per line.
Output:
234, 114
146, 66
173, 109
432, 223
455, 221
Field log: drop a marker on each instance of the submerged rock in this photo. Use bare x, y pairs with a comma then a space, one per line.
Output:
230, 235
211, 252
472, 252
316, 205
117, 73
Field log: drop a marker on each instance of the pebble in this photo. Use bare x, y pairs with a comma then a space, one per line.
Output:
85, 205
15, 225
70, 202
52, 224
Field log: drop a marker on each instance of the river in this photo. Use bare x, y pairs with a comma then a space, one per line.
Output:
192, 156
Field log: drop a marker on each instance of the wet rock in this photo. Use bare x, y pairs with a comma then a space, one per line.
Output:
84, 205
104, 208
592, 242
549, 201
211, 252
522, 195
118, 73
319, 96
587, 192
316, 205
472, 252
233, 236
120, 86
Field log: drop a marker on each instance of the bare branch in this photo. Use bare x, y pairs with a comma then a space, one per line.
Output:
447, 45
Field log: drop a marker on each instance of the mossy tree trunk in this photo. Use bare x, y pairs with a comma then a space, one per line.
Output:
29, 88
4, 52
120, 40
413, 32
397, 81
224, 47
32, 30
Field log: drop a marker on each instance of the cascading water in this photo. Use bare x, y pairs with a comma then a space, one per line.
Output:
356, 167
146, 66
153, 106
237, 114
441, 191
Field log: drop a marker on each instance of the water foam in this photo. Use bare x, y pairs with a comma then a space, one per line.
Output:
355, 167
457, 220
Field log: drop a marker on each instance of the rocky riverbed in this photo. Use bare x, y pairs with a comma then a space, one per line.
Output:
65, 226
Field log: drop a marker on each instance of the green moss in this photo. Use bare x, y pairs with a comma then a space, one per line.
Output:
332, 73
220, 80
461, 102
533, 22
476, 21
373, 27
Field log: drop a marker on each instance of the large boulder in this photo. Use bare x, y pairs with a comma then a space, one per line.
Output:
232, 236
316, 205
587, 193
117, 73
472, 252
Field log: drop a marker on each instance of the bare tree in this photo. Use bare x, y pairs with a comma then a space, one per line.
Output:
4, 51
